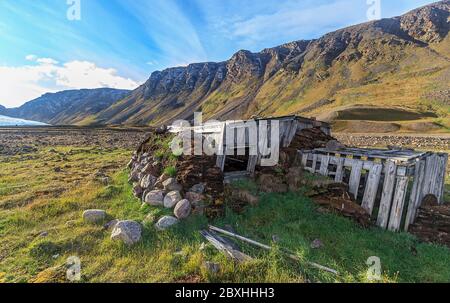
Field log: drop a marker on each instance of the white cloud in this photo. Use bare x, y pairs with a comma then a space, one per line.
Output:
23, 83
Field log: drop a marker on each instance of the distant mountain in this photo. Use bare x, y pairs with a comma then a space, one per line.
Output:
67, 107
385, 75
8, 121
397, 64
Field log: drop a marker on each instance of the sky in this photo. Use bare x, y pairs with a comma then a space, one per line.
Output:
54, 45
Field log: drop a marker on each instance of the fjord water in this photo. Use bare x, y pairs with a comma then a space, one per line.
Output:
8, 121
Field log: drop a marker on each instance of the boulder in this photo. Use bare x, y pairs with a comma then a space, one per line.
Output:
94, 216
153, 169
160, 180
111, 224
137, 191
171, 184
155, 198
182, 209
171, 199
198, 188
166, 222
127, 231
148, 182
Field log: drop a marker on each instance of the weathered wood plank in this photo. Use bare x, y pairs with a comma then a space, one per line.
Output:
355, 177
398, 204
314, 164
339, 177
444, 171
386, 197
252, 160
324, 165
415, 194
304, 159
371, 190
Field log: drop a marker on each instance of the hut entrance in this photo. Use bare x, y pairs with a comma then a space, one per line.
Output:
238, 161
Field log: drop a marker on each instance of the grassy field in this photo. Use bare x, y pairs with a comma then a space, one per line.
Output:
48, 191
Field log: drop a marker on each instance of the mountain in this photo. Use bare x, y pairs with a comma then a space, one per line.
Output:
67, 107
400, 66
8, 121
386, 75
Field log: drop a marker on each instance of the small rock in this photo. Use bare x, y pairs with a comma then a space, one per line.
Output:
171, 184
166, 222
104, 180
155, 198
212, 267
198, 188
127, 231
182, 209
94, 216
137, 191
43, 234
57, 169
159, 182
171, 199
147, 182
316, 244
71, 223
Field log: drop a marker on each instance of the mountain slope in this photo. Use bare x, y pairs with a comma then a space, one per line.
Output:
67, 107
398, 62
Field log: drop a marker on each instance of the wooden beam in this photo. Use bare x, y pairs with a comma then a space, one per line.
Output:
386, 197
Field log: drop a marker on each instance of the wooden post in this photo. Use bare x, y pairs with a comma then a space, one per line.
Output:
371, 190
386, 197
398, 203
305, 159
324, 165
355, 177
339, 170
444, 171
252, 164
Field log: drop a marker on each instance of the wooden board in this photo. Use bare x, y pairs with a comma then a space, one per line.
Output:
339, 177
386, 197
415, 194
324, 165
398, 204
370, 193
355, 177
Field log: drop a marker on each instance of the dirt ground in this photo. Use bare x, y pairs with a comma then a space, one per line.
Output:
14, 141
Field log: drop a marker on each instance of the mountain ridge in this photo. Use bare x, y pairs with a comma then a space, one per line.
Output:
399, 64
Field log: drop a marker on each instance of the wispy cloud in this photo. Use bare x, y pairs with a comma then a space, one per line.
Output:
170, 29
23, 83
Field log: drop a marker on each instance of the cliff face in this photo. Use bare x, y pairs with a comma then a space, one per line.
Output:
390, 62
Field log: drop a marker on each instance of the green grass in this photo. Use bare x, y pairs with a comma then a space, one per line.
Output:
175, 255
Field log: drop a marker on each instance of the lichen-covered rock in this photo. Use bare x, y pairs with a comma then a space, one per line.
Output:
171, 199
198, 188
148, 182
137, 190
182, 209
166, 222
155, 198
127, 231
94, 216
171, 184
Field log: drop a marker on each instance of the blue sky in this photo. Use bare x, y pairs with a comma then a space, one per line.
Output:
118, 43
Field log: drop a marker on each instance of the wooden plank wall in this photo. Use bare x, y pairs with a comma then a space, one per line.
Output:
388, 181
